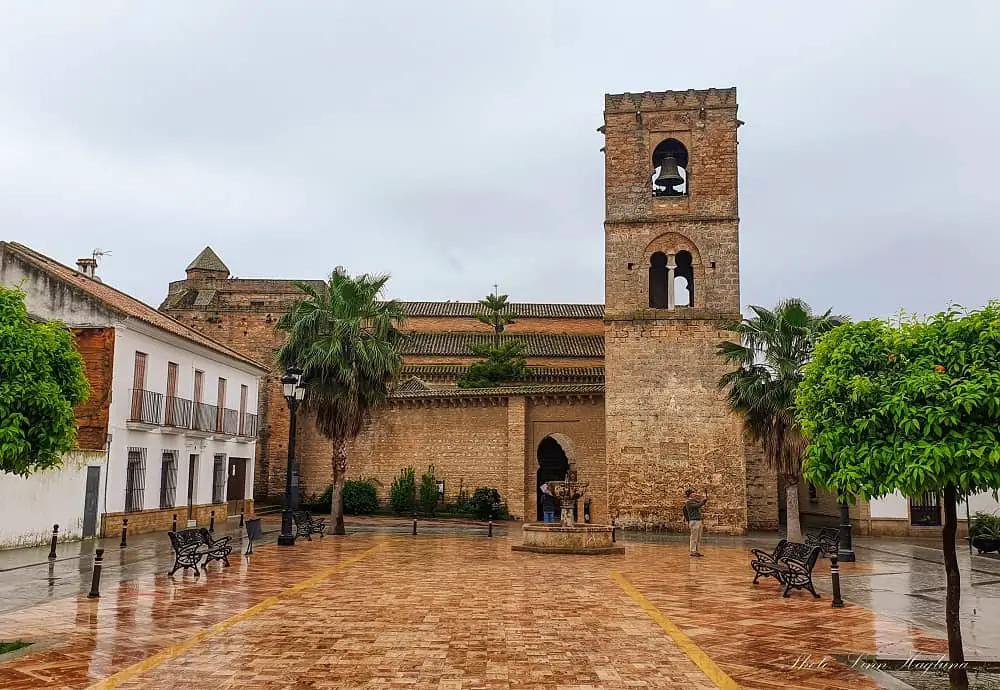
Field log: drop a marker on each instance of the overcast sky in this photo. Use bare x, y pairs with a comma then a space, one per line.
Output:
453, 144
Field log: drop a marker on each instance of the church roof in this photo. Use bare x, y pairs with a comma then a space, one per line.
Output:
536, 344
526, 309
503, 391
208, 260
412, 385
536, 374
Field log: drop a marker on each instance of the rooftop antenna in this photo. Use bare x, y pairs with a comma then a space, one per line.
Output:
99, 252
496, 290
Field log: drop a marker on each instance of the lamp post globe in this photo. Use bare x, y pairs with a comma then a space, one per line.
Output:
294, 392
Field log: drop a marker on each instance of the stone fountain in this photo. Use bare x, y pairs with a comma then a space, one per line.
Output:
566, 536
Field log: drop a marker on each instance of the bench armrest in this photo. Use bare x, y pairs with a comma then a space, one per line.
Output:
796, 566
189, 549
221, 541
763, 556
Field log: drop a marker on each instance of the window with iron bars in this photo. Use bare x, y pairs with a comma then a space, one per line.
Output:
219, 479
168, 479
135, 480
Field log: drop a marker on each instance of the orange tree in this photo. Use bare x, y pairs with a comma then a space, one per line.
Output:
912, 407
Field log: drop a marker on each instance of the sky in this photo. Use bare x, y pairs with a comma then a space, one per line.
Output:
453, 144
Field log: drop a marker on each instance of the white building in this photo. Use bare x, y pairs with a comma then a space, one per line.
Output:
170, 426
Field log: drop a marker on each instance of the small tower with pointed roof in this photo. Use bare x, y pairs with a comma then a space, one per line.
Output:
207, 265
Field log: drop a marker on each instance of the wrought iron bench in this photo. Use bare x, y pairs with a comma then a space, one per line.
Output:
791, 564
827, 539
306, 525
192, 545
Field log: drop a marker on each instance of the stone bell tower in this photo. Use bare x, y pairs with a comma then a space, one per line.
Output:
671, 288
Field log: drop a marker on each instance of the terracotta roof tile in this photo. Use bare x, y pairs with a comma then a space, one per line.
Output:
525, 310
118, 301
454, 371
506, 391
412, 385
536, 345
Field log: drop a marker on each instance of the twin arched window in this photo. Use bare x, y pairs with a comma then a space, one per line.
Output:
671, 280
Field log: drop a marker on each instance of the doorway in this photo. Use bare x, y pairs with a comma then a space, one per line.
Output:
90, 501
192, 483
552, 467
236, 485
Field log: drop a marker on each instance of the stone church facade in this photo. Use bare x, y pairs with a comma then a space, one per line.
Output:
625, 391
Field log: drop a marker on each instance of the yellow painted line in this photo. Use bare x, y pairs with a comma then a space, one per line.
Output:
694, 652
152, 662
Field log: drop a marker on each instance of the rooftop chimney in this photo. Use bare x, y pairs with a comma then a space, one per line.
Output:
88, 267
340, 271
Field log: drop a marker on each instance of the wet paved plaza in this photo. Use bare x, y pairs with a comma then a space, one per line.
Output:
451, 608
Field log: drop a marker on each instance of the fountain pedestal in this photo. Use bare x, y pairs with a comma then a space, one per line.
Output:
566, 537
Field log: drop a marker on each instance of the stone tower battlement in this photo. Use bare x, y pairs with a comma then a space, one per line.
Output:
669, 100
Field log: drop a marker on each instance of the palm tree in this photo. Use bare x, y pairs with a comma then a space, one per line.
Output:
773, 347
346, 341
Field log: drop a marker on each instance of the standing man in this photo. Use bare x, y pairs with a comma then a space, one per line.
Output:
692, 512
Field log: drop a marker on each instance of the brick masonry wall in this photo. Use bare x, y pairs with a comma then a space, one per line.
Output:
97, 347
158, 520
669, 428
566, 326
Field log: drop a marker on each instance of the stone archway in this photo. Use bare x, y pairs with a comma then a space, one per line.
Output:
554, 454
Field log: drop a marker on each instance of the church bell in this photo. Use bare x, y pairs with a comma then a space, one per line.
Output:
669, 177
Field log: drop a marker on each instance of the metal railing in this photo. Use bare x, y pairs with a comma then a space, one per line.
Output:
147, 406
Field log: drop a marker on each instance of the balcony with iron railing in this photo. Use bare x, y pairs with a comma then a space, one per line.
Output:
147, 406
156, 409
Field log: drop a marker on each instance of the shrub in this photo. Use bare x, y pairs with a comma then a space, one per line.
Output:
320, 503
463, 503
360, 497
428, 491
985, 525
487, 504
402, 493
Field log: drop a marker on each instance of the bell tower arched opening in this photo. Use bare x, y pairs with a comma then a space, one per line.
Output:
670, 163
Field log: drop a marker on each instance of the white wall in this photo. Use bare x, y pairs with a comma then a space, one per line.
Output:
160, 349
895, 506
31, 505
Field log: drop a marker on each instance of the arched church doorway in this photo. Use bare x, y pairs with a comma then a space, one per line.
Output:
553, 463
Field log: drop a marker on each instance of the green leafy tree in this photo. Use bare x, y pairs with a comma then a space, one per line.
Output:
428, 491
909, 406
41, 380
496, 313
501, 364
772, 349
345, 338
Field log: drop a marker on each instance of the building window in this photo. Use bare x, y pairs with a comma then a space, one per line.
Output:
138, 385
220, 410
219, 479
684, 280
658, 281
135, 479
170, 417
168, 479
671, 280
244, 392
670, 163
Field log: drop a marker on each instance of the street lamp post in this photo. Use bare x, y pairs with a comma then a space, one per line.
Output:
292, 389
845, 551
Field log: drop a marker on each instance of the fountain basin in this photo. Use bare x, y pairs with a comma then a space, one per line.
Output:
553, 537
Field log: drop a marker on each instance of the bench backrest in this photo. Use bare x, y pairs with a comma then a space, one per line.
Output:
301, 517
803, 553
830, 533
779, 549
186, 537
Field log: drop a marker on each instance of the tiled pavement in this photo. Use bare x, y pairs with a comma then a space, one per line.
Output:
448, 611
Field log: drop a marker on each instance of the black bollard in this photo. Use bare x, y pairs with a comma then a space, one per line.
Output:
95, 584
241, 518
491, 528
55, 538
414, 522
173, 525
612, 530
211, 521
838, 603
124, 533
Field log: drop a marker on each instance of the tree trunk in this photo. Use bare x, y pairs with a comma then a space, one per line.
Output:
956, 655
339, 475
792, 519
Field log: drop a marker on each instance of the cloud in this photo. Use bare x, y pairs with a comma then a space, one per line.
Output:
452, 144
